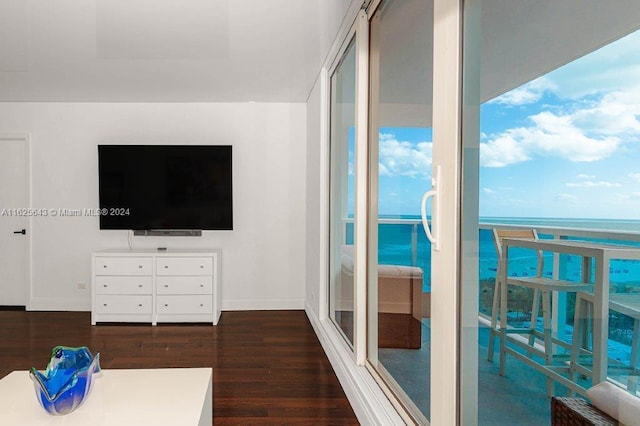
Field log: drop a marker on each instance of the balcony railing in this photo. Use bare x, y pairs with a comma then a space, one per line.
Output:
403, 242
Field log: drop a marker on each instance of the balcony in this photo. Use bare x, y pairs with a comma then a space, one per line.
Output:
522, 393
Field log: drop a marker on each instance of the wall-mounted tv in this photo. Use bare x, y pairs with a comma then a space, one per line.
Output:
165, 187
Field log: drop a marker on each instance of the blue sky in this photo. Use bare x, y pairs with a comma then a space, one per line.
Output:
565, 145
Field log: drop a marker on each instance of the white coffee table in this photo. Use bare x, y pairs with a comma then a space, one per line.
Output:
168, 396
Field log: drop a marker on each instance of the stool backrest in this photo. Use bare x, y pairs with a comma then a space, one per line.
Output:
500, 234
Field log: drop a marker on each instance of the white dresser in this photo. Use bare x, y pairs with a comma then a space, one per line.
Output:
155, 286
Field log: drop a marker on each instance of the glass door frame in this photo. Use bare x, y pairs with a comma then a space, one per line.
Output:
447, 395
451, 402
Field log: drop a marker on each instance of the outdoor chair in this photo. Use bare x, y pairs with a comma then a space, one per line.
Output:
543, 289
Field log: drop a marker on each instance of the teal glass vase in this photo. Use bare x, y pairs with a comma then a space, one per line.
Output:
67, 381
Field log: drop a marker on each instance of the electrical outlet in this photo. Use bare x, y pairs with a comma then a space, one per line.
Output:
82, 286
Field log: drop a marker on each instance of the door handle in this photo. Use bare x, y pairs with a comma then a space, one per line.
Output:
22, 231
433, 234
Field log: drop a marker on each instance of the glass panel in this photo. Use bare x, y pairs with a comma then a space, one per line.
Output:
557, 130
399, 264
341, 201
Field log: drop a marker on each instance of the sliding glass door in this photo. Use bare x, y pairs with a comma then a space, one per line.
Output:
400, 159
395, 176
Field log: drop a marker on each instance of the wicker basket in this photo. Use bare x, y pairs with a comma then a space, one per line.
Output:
577, 412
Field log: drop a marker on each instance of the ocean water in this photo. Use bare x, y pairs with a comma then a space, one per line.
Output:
395, 247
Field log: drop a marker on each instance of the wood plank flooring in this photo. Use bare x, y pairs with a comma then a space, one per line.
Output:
268, 366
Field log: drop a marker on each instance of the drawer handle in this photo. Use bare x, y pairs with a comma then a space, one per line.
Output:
166, 286
104, 266
104, 304
140, 304
140, 285
201, 285
201, 305
104, 285
166, 304
201, 266
166, 266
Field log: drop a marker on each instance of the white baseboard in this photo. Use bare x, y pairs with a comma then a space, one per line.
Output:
370, 404
262, 304
57, 304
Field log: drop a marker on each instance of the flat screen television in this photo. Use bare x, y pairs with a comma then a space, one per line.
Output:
165, 187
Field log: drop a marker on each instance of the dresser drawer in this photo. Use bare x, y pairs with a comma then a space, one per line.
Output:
123, 266
105, 284
184, 285
184, 266
184, 304
109, 304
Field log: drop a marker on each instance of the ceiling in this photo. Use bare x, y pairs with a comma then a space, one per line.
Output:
265, 51
164, 50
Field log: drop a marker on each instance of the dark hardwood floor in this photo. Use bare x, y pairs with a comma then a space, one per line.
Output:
268, 366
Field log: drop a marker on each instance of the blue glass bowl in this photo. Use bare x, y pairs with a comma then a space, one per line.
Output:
66, 382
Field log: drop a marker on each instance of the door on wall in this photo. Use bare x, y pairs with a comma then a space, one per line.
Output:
14, 220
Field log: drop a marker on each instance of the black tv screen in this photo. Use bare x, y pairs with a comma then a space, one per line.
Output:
165, 187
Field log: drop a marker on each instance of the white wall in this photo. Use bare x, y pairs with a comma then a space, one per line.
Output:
313, 202
335, 20
263, 257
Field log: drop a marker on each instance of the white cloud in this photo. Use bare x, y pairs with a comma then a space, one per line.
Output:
566, 198
502, 151
635, 176
401, 158
591, 184
528, 93
489, 191
615, 114
583, 176
557, 135
551, 135
631, 196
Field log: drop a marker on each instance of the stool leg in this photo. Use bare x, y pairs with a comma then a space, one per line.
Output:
548, 346
580, 334
495, 308
535, 309
503, 327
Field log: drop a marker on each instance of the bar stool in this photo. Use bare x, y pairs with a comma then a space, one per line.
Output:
543, 289
624, 303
